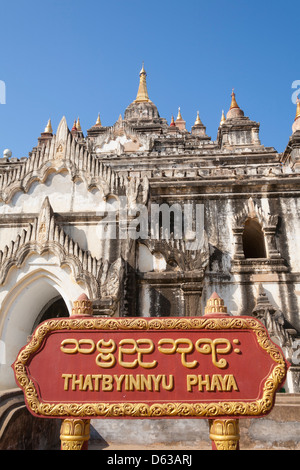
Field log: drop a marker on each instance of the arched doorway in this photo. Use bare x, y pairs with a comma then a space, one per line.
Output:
31, 297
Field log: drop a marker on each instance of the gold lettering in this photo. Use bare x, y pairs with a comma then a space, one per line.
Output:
180, 349
205, 382
136, 349
119, 381
156, 380
134, 382
90, 350
106, 350
70, 341
146, 382
164, 385
223, 382
208, 346
97, 378
231, 383
191, 380
215, 383
88, 383
107, 383
76, 381
67, 377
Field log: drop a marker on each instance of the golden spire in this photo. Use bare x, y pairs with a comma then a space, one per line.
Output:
179, 117
78, 126
233, 101
172, 122
198, 120
223, 119
74, 128
297, 109
98, 122
142, 94
48, 128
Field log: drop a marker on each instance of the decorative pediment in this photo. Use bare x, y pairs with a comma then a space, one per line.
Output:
44, 235
251, 210
61, 152
121, 138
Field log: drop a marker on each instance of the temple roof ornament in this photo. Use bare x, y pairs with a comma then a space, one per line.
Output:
48, 128
198, 120
142, 94
98, 122
234, 110
172, 124
223, 118
74, 128
78, 126
180, 123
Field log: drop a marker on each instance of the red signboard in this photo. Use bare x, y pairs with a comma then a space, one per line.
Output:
201, 367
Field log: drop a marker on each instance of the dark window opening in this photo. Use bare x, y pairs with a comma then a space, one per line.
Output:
253, 240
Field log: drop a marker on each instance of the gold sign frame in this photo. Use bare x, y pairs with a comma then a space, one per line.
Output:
235, 409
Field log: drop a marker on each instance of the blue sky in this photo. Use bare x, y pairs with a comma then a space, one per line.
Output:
78, 58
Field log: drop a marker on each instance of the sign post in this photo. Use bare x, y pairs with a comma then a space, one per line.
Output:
218, 367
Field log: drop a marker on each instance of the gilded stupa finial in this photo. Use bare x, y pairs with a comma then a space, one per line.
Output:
179, 117
233, 100
198, 120
98, 122
172, 122
48, 128
78, 126
142, 94
223, 119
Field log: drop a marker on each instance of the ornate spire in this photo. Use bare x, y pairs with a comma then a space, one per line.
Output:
233, 101
179, 117
74, 128
48, 128
223, 119
198, 120
234, 110
78, 126
180, 123
172, 122
142, 94
98, 122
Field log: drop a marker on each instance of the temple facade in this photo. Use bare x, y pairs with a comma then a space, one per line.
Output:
148, 218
